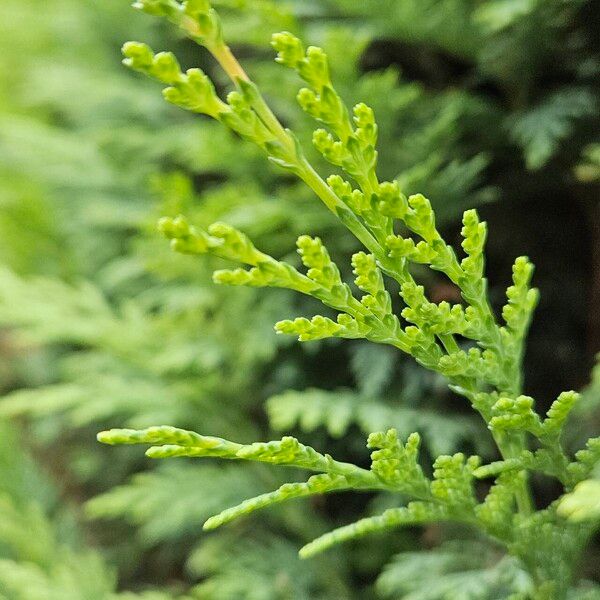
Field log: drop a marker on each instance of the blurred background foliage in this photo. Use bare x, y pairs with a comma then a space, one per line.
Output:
487, 103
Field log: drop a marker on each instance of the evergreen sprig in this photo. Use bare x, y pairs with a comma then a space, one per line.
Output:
480, 357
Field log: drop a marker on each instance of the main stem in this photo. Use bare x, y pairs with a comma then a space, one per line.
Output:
511, 447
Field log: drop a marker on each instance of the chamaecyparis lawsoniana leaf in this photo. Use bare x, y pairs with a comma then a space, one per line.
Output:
480, 357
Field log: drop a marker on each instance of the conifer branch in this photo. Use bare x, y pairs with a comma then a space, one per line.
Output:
480, 357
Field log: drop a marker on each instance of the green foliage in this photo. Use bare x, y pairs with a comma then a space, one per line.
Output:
144, 499
336, 411
42, 553
469, 570
102, 326
516, 45
264, 569
583, 503
489, 375
589, 169
415, 513
541, 129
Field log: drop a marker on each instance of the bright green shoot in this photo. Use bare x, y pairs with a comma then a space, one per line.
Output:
480, 356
